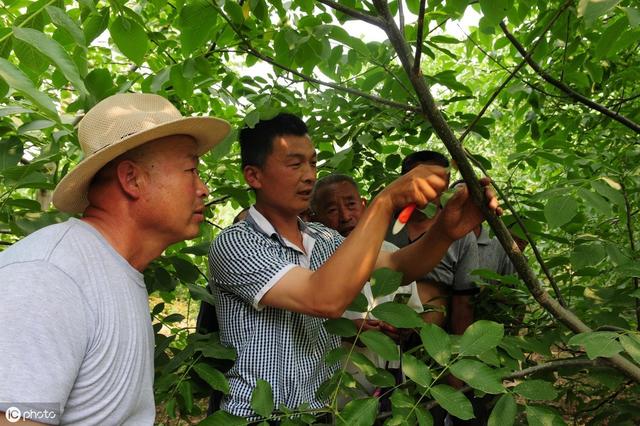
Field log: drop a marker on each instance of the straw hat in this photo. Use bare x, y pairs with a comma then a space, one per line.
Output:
120, 123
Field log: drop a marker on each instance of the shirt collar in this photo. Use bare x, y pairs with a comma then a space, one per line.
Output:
483, 239
262, 224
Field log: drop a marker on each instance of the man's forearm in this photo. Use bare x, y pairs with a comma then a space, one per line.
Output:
341, 278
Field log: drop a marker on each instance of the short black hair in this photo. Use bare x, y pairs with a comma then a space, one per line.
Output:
330, 180
418, 157
257, 143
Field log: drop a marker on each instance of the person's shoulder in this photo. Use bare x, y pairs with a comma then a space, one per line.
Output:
323, 231
37, 246
238, 234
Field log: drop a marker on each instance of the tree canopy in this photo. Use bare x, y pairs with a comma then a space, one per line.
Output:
542, 96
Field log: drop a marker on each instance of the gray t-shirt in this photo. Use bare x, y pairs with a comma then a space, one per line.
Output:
492, 256
75, 329
454, 270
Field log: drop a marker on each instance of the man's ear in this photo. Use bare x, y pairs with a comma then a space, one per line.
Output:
130, 178
363, 201
253, 176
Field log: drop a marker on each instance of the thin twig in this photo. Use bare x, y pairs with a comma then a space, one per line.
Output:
419, 37
495, 61
550, 366
354, 13
251, 50
559, 12
566, 89
636, 282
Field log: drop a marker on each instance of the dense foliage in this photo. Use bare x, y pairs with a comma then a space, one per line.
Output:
558, 133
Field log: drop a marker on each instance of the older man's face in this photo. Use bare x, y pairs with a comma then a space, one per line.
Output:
174, 193
339, 206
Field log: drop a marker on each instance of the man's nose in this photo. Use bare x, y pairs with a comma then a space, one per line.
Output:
309, 173
345, 214
202, 190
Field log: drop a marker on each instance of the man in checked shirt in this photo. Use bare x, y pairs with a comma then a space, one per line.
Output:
276, 278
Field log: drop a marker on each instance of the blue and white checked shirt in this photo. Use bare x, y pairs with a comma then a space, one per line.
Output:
285, 348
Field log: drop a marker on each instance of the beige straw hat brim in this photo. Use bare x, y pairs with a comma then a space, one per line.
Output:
71, 193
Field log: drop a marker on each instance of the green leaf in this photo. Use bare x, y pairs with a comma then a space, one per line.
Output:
262, 398
197, 20
398, 315
95, 24
608, 38
130, 37
157, 308
363, 363
359, 304
222, 418
381, 344
100, 84
597, 343
423, 416
596, 201
589, 254
200, 293
52, 49
173, 318
495, 10
359, 412
385, 281
480, 337
181, 85
342, 327
185, 270
186, 392
560, 210
593, 9
17, 80
187, 395
416, 370
538, 390
606, 190
437, 343
64, 21
631, 344
543, 416
382, 378
453, 401
633, 15
504, 412
478, 376
11, 151
213, 377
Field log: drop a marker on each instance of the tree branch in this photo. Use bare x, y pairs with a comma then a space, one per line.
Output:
442, 129
566, 89
550, 366
249, 49
534, 248
553, 20
635, 281
354, 13
419, 37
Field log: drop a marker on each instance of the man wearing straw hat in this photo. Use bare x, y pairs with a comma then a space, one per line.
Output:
75, 328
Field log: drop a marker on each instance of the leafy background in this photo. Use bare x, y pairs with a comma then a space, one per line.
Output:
543, 94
